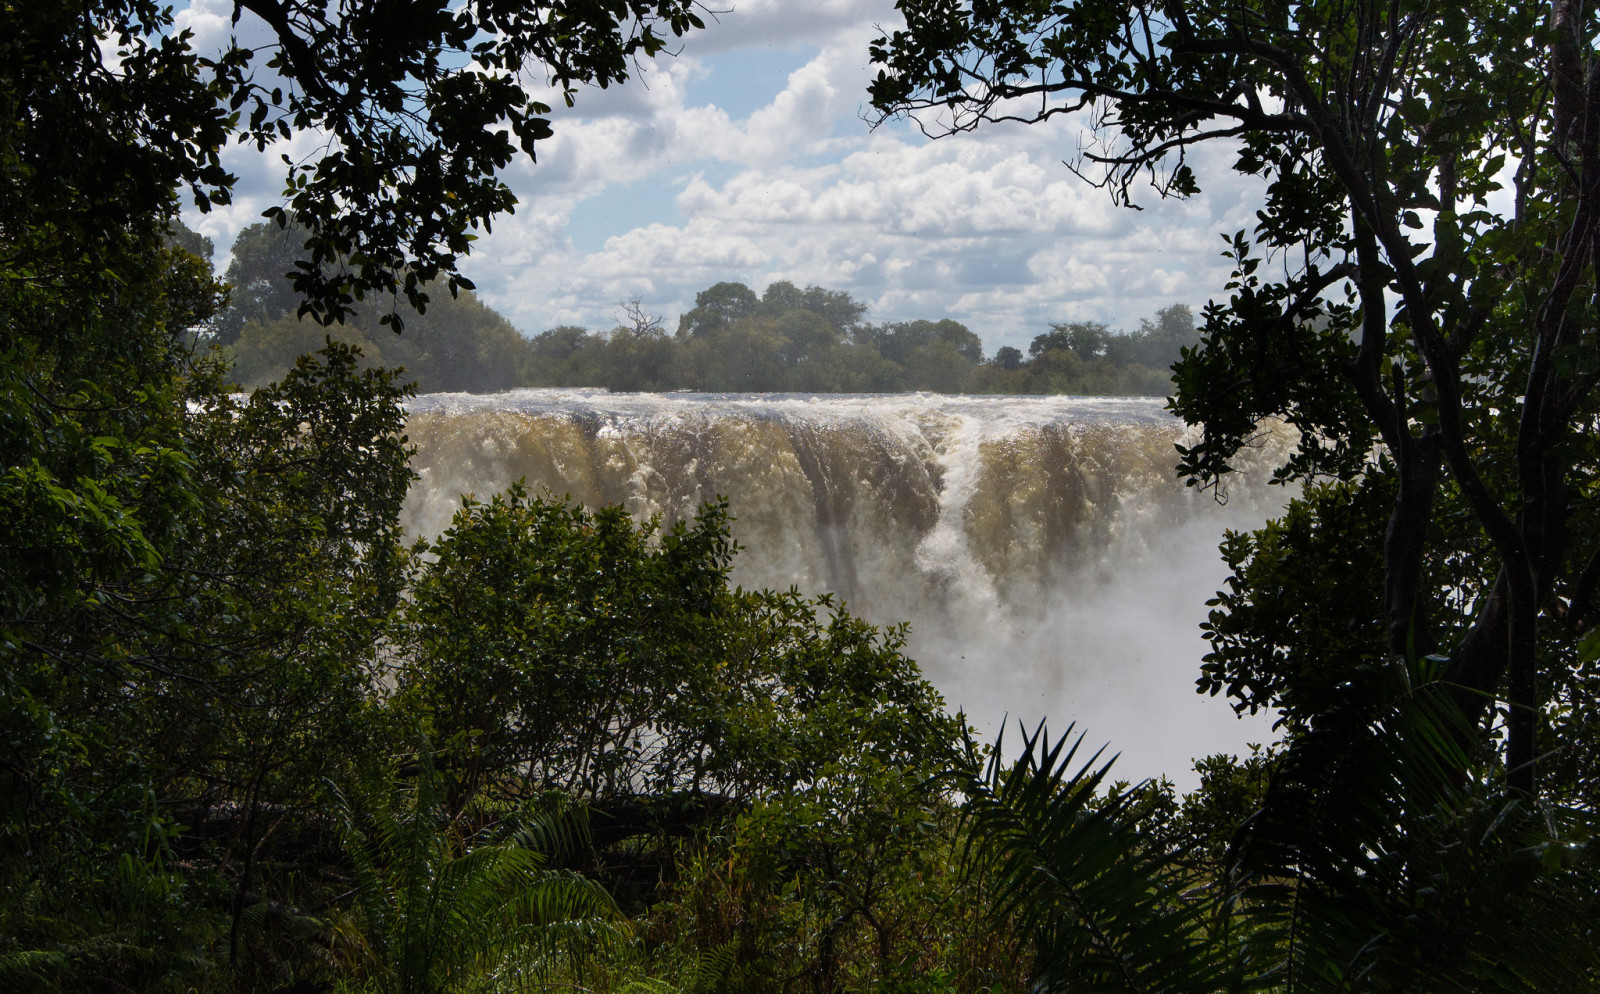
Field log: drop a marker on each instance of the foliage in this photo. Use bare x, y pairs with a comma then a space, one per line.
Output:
439, 904
1270, 592
786, 340
843, 849
815, 341
206, 613
899, 916
1368, 865
457, 345
210, 680
1374, 863
207, 616
260, 278
1089, 358
1415, 300
565, 642
1428, 336
1106, 910
579, 650
421, 105
588, 653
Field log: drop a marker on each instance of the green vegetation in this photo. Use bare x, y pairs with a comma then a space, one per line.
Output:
787, 340
250, 741
1417, 299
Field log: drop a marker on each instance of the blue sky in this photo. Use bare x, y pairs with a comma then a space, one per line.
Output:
746, 157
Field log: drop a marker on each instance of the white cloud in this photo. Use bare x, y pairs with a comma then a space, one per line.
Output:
211, 22
990, 228
784, 23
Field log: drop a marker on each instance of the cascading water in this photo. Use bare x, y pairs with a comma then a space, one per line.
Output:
1047, 558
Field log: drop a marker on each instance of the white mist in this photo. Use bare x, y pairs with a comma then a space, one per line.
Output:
1048, 560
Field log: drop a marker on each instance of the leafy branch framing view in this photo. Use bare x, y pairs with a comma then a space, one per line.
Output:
251, 740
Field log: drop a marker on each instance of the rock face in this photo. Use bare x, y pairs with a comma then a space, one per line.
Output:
1043, 551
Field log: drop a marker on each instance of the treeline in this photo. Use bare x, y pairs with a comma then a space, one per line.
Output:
456, 344
786, 340
255, 739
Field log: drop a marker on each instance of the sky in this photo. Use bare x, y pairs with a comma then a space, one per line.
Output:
749, 155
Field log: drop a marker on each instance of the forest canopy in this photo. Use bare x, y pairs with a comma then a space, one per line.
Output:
783, 340
253, 738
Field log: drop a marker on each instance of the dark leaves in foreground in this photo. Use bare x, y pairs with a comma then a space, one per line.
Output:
1381, 859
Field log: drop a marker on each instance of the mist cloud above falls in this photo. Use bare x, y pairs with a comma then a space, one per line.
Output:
1047, 560
1114, 652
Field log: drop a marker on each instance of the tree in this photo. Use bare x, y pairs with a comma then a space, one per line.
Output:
260, 286
580, 651
561, 639
1442, 556
1384, 136
1164, 339
745, 355
458, 344
1086, 339
810, 339
717, 306
191, 584
421, 103
1157, 344
1449, 899
898, 341
837, 308
165, 677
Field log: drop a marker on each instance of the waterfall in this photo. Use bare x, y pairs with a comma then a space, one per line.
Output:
1049, 561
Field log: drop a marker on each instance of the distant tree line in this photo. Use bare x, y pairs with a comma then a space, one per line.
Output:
456, 344
253, 740
786, 339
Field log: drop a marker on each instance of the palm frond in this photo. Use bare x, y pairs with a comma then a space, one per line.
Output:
1105, 910
438, 904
